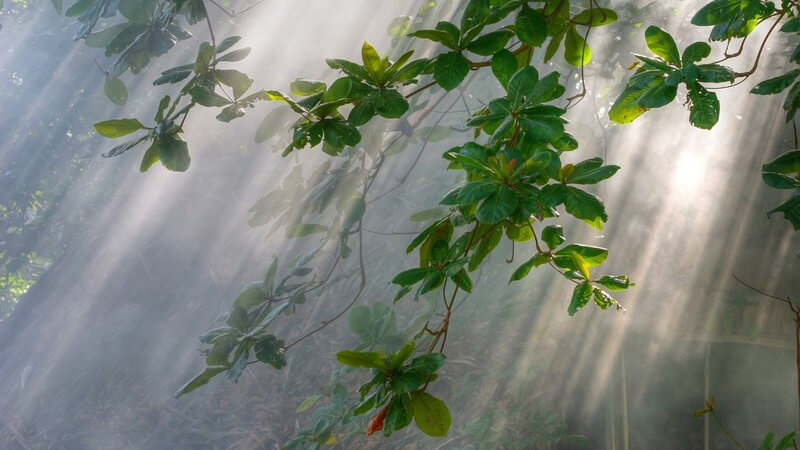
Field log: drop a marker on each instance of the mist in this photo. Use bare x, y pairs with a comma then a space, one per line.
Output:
131, 268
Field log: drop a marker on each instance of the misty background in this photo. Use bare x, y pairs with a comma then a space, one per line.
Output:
130, 268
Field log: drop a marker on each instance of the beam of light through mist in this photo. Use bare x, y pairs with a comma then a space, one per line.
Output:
109, 331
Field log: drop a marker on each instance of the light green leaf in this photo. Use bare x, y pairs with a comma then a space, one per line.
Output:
118, 127
662, 44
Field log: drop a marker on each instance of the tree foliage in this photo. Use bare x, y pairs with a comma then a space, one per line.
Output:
515, 185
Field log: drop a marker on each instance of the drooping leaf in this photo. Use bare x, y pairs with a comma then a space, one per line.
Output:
431, 414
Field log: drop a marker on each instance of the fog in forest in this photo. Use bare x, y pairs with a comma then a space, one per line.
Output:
131, 268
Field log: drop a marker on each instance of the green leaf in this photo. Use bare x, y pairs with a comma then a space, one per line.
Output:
787, 441
403, 354
103, 37
450, 70
462, 280
591, 171
615, 283
373, 360
405, 382
269, 276
626, 107
716, 12
531, 27
423, 216
122, 148
780, 181
364, 406
118, 127
372, 62
399, 26
703, 107
434, 280
173, 153
497, 206
399, 414
504, 66
546, 89
542, 122
580, 297
695, 52
389, 103
475, 13
786, 163
204, 55
428, 364
236, 55
576, 50
227, 43
476, 191
238, 81
553, 236
401, 293
350, 68
485, 246
305, 229
200, 380
271, 350
116, 91
714, 73
585, 206
306, 404
339, 133
777, 84
663, 45
235, 371
661, 94
150, 157
490, 43
203, 95
602, 299
410, 71
790, 210
525, 268
591, 255
431, 414
411, 276
440, 36
251, 297
521, 84
596, 17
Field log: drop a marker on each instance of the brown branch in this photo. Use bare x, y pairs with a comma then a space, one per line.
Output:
786, 300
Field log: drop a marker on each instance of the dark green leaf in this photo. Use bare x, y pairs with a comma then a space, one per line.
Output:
703, 107
411, 276
553, 236
497, 206
580, 296
504, 66
450, 70
531, 27
777, 84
